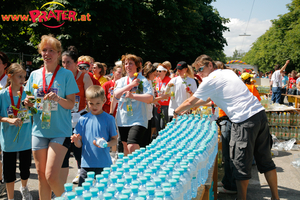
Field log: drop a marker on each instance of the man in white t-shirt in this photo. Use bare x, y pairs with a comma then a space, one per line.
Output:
249, 132
276, 82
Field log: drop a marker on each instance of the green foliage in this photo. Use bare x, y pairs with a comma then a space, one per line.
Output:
279, 43
157, 30
237, 55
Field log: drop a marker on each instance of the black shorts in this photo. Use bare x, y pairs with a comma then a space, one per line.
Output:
132, 134
248, 138
9, 165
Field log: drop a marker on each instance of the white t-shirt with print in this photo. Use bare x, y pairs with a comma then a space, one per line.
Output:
180, 91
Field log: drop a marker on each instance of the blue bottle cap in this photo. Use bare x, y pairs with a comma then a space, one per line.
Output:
111, 190
123, 197
86, 186
166, 185
94, 192
87, 196
68, 187
126, 192
130, 156
89, 180
114, 178
91, 174
142, 194
105, 174
71, 195
137, 183
121, 181
148, 176
134, 188
150, 184
79, 190
119, 174
173, 182
119, 186
104, 182
150, 190
120, 155
159, 194
107, 169
107, 196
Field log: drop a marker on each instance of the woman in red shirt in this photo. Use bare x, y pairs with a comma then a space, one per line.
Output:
161, 82
292, 89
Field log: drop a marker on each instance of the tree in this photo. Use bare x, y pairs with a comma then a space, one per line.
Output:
237, 55
157, 30
280, 43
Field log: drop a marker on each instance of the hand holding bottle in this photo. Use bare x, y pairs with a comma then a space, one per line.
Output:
100, 142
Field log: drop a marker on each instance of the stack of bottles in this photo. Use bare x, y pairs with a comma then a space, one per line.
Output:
172, 167
283, 118
265, 101
284, 125
263, 89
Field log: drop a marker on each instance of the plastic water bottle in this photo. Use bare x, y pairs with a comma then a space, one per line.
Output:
134, 192
167, 194
143, 181
175, 192
71, 195
79, 192
101, 188
68, 188
123, 197
276, 118
101, 142
87, 196
126, 192
86, 187
288, 119
129, 107
280, 119
143, 195
107, 196
46, 114
119, 188
112, 191
151, 193
94, 192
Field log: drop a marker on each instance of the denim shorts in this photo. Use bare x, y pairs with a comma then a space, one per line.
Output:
39, 143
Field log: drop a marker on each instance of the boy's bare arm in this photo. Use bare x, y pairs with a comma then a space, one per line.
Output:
76, 139
113, 141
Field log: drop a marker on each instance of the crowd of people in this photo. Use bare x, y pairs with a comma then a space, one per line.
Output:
127, 108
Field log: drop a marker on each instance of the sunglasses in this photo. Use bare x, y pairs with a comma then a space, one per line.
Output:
201, 68
82, 68
159, 71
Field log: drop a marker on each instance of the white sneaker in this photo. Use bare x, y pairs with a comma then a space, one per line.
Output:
113, 157
76, 179
25, 193
2, 188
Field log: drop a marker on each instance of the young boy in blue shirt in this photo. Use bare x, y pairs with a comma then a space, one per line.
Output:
96, 123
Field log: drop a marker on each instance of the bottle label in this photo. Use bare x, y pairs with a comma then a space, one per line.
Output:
46, 117
22, 114
76, 106
40, 99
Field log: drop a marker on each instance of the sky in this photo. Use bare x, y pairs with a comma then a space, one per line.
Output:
239, 12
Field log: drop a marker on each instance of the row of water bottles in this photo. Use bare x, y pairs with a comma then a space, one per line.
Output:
283, 118
172, 167
285, 133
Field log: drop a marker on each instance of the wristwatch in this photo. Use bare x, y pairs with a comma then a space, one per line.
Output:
174, 113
